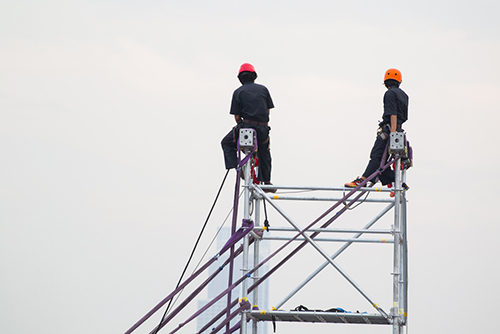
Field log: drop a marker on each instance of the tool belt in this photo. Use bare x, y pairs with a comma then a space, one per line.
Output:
388, 125
247, 121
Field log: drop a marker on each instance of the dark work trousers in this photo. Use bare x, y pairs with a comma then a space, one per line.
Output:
229, 147
376, 155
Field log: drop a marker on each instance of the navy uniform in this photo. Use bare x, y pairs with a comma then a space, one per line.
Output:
250, 105
395, 114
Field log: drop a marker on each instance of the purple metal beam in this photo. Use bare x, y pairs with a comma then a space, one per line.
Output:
245, 305
187, 300
236, 327
233, 230
170, 296
217, 317
245, 229
213, 301
183, 285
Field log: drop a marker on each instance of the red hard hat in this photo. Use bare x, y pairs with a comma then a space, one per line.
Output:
246, 67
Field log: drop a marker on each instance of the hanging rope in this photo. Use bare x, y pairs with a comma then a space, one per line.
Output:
266, 222
194, 249
361, 202
206, 251
216, 235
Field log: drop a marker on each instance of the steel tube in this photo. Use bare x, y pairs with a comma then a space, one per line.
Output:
244, 268
373, 241
396, 325
233, 230
330, 199
325, 264
333, 230
378, 189
256, 255
405, 249
322, 317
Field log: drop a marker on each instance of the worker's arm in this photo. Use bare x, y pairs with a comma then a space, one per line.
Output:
394, 123
237, 118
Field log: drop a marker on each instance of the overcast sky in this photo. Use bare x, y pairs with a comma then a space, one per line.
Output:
111, 117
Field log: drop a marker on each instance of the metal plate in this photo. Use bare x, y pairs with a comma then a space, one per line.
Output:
325, 317
397, 142
246, 138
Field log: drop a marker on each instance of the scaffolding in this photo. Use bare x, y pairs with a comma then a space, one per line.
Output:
252, 233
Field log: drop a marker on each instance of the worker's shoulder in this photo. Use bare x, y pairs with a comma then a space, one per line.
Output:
251, 87
395, 92
260, 88
259, 85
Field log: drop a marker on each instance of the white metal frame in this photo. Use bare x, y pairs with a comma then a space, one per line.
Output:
254, 194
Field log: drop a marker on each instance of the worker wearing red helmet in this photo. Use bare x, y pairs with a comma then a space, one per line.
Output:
250, 105
395, 114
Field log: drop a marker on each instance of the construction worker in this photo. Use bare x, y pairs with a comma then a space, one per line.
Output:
395, 114
250, 105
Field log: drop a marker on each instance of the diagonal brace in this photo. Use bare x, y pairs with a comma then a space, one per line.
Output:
321, 251
333, 257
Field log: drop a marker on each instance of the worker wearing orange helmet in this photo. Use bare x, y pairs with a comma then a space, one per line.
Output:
395, 114
250, 105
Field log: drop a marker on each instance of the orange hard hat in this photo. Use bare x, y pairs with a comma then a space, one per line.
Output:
394, 74
246, 67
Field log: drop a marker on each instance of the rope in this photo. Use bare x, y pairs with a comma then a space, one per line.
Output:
266, 222
206, 251
216, 234
194, 249
361, 202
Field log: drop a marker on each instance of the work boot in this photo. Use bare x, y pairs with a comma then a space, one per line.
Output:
269, 190
354, 183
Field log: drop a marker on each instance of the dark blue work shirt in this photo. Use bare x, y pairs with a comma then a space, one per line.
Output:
395, 103
251, 101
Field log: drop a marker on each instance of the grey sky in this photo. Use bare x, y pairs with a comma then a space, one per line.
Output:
111, 118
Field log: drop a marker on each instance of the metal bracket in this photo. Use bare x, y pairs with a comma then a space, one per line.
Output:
397, 144
246, 139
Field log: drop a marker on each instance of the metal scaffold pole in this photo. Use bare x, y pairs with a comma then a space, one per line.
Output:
246, 216
256, 259
398, 240
404, 257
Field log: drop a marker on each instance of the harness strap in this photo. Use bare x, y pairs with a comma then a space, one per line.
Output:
254, 122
